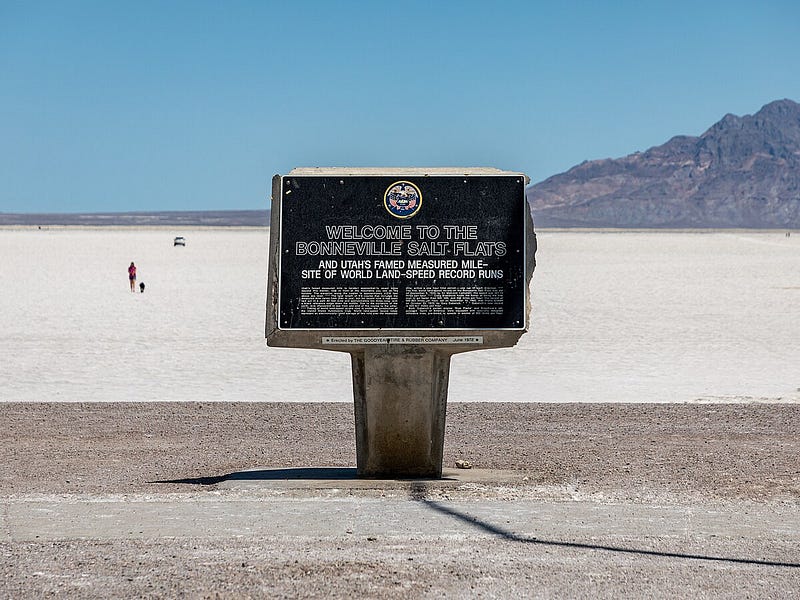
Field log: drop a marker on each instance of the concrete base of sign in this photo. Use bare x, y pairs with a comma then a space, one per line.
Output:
400, 394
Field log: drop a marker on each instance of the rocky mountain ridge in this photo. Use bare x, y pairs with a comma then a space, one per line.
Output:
742, 172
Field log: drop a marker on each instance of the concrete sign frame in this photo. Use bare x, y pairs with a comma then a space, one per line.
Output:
431, 289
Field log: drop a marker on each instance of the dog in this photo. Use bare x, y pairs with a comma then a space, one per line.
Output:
141, 287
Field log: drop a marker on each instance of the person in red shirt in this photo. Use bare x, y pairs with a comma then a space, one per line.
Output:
132, 276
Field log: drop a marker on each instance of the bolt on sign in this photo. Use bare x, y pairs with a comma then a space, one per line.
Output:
401, 252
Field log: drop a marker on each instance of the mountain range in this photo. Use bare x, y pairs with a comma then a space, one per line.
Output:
742, 172
181, 218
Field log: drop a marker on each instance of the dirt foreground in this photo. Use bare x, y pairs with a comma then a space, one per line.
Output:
238, 500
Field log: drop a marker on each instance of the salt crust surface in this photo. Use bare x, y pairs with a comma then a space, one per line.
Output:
617, 317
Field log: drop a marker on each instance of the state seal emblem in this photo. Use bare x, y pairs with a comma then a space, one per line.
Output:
402, 199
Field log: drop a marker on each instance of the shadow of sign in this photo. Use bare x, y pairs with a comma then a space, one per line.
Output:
419, 493
288, 474
302, 473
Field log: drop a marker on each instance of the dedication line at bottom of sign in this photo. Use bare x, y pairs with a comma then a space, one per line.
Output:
467, 339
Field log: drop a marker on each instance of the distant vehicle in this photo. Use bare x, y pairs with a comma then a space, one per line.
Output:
179, 241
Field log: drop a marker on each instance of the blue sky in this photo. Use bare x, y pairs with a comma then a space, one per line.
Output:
126, 106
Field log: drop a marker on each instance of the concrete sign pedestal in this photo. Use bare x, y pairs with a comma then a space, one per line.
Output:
401, 268
400, 395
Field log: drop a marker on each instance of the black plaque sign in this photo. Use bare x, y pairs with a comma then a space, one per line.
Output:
381, 252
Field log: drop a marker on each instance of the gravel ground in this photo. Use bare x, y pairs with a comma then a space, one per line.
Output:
700, 458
